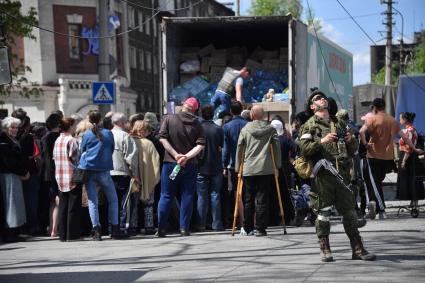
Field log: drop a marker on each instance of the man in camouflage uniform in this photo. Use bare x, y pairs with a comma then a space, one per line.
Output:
325, 137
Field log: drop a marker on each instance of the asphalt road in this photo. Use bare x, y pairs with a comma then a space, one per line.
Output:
398, 241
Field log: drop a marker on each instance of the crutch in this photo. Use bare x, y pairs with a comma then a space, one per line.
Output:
276, 178
238, 193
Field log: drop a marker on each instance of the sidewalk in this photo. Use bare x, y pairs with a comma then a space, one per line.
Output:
399, 243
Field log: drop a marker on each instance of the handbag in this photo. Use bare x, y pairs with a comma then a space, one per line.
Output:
79, 176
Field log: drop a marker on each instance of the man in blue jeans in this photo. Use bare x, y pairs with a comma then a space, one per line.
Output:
230, 86
210, 177
183, 139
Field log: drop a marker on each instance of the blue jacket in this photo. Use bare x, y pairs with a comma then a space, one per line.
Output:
231, 135
97, 154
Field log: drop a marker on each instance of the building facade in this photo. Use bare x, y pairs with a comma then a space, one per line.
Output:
377, 54
64, 67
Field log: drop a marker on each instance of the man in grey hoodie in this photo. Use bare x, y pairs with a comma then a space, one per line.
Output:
254, 151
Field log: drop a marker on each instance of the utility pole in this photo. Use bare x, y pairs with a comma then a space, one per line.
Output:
103, 59
238, 8
401, 61
388, 57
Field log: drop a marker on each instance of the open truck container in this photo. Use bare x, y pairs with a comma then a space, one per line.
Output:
303, 62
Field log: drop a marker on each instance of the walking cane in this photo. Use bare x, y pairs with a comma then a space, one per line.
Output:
276, 178
238, 193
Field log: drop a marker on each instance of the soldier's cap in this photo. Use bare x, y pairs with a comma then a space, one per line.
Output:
310, 101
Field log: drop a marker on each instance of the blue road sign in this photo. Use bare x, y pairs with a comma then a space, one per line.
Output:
103, 93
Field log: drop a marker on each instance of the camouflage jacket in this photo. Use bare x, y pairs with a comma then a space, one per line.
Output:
311, 149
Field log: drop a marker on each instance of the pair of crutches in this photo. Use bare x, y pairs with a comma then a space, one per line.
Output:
240, 186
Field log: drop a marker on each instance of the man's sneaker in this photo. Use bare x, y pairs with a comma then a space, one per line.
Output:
382, 215
372, 209
245, 233
260, 233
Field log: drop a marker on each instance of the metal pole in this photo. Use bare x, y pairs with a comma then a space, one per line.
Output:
388, 59
401, 67
103, 59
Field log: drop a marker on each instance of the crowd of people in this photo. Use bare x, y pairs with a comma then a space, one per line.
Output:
72, 177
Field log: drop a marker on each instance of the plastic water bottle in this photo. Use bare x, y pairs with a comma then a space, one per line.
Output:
175, 171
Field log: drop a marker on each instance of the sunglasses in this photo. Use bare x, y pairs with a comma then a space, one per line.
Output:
317, 98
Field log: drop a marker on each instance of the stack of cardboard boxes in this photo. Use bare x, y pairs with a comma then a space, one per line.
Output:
214, 61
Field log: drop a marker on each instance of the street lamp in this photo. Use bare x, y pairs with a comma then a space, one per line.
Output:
401, 41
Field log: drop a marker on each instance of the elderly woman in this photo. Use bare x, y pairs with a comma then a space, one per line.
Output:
148, 171
12, 172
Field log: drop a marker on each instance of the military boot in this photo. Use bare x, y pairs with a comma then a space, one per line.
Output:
359, 252
325, 249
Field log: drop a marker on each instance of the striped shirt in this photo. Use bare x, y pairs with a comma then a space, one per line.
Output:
65, 155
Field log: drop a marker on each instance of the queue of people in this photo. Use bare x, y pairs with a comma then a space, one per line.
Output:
131, 175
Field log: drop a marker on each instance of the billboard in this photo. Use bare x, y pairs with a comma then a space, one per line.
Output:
340, 66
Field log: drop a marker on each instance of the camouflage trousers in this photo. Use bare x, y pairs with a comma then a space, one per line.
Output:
329, 192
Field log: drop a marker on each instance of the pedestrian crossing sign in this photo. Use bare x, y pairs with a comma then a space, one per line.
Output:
103, 93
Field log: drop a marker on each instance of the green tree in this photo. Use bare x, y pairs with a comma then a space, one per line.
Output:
417, 65
16, 25
283, 8
379, 77
276, 8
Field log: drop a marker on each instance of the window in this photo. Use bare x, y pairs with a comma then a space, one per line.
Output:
141, 60
133, 63
155, 26
148, 25
140, 21
74, 42
155, 65
148, 61
131, 20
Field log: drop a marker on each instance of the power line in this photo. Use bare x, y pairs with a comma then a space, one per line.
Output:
154, 9
99, 37
321, 52
410, 78
348, 18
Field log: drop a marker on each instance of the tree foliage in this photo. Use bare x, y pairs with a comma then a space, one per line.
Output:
283, 8
417, 65
17, 25
379, 77
276, 8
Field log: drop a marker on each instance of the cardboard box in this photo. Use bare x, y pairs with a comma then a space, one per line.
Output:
218, 69
253, 65
217, 61
205, 65
185, 56
269, 54
207, 50
185, 78
219, 53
